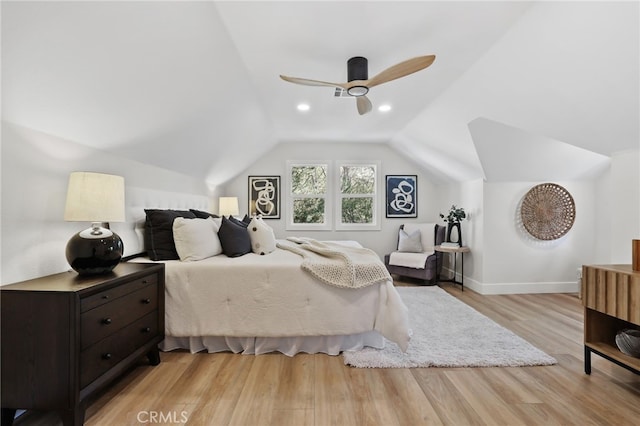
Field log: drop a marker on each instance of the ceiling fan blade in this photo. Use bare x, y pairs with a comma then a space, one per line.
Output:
402, 69
307, 82
364, 105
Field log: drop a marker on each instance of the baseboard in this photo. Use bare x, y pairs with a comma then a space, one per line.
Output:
522, 288
517, 288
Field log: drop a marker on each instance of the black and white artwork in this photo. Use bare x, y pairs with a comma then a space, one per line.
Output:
264, 196
402, 196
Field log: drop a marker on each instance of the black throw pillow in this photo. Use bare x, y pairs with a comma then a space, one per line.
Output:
203, 215
158, 233
238, 222
234, 238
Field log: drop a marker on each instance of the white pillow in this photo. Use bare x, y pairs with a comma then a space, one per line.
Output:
409, 243
263, 240
196, 239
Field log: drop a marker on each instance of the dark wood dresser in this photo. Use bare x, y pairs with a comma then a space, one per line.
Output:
65, 336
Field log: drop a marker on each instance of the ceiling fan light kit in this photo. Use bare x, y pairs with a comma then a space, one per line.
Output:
358, 90
358, 83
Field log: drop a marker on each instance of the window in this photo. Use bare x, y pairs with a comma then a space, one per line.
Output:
308, 204
312, 194
357, 205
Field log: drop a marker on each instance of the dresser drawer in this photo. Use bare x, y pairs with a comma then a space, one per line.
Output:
108, 318
107, 296
99, 358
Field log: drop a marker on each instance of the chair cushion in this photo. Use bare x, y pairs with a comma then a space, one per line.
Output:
410, 243
427, 231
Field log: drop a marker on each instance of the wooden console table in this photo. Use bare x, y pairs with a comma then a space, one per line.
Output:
455, 250
611, 298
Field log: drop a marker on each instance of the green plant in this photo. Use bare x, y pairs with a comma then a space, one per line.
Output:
455, 215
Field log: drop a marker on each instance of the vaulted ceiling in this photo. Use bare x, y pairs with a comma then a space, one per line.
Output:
194, 87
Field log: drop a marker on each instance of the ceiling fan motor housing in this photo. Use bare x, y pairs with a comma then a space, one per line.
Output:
357, 69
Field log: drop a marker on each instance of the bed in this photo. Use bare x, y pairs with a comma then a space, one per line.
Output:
255, 304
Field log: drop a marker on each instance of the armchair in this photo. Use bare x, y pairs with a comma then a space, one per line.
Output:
432, 235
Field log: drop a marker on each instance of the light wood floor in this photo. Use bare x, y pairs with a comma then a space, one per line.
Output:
228, 389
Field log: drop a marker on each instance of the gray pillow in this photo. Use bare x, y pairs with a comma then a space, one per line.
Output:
410, 243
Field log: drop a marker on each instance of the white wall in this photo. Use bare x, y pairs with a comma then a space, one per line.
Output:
35, 172
35, 169
516, 262
504, 258
472, 199
468, 195
382, 241
623, 214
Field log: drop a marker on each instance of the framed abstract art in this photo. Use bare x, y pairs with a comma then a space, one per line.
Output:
401, 196
264, 196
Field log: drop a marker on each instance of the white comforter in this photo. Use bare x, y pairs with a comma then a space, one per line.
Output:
271, 296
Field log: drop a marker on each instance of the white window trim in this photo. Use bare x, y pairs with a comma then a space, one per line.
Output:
328, 198
377, 200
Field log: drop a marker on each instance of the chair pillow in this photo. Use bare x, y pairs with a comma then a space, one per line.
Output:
234, 238
158, 233
263, 240
196, 239
409, 243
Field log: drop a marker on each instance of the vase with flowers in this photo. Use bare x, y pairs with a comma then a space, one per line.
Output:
453, 219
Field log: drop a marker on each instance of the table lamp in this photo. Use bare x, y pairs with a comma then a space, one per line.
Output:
228, 206
97, 198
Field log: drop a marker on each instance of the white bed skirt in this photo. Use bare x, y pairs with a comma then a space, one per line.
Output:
331, 345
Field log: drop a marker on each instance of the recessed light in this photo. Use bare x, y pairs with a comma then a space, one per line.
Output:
303, 107
384, 108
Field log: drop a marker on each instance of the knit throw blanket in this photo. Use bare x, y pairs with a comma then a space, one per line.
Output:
336, 264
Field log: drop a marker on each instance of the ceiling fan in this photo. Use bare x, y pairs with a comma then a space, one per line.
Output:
359, 83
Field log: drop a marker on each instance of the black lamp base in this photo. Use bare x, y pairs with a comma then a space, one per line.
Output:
94, 251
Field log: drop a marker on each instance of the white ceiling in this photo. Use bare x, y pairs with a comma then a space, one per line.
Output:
194, 87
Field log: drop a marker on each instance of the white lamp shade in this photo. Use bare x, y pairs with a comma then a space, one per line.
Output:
228, 206
95, 197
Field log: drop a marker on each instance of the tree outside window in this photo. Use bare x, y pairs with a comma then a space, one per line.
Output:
308, 194
313, 192
357, 193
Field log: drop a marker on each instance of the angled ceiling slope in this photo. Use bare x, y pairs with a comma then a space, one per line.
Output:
193, 86
552, 77
159, 82
510, 154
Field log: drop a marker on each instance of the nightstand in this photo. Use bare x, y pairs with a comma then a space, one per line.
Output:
66, 336
455, 250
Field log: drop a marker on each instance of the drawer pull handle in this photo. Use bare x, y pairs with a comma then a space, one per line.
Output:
106, 296
106, 356
144, 281
106, 321
146, 301
146, 330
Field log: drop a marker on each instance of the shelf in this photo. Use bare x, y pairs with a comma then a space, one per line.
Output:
614, 352
611, 298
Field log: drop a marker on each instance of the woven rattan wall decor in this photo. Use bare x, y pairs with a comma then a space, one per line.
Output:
548, 211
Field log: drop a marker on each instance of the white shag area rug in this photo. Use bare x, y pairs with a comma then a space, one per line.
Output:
449, 333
